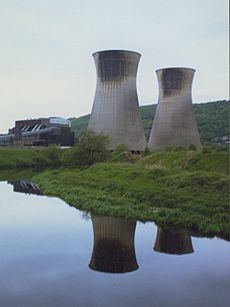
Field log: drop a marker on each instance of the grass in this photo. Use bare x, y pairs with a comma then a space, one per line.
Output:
12, 174
184, 188
21, 158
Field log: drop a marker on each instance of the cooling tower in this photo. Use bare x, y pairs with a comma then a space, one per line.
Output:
174, 241
174, 124
113, 249
115, 109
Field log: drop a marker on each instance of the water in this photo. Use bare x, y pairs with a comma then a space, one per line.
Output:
55, 255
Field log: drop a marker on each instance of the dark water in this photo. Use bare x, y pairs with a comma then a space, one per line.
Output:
53, 255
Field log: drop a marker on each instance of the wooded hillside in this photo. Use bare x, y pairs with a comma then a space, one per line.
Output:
212, 120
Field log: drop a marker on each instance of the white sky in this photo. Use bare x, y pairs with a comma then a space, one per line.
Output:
46, 46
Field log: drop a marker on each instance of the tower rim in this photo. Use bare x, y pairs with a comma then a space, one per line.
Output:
115, 50
176, 67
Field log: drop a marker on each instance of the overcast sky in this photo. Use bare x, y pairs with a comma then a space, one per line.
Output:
46, 63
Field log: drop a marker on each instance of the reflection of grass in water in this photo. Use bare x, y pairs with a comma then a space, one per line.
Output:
184, 188
11, 175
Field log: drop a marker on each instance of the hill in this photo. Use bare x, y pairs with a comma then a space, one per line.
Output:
212, 120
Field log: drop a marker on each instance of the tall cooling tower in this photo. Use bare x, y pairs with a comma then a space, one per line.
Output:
113, 248
173, 241
115, 108
174, 124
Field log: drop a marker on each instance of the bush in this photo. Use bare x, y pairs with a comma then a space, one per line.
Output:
180, 148
91, 148
53, 153
206, 149
120, 149
122, 154
192, 147
168, 149
125, 156
146, 152
40, 161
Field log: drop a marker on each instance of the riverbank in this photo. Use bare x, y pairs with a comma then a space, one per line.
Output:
184, 188
22, 158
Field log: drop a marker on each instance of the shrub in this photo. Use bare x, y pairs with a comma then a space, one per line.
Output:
91, 148
168, 149
146, 152
40, 161
53, 153
180, 148
120, 149
122, 154
125, 156
192, 147
206, 149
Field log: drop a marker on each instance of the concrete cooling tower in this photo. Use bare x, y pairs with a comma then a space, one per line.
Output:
113, 249
173, 241
174, 124
115, 109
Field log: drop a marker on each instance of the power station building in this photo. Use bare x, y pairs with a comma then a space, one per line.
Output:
39, 132
174, 124
115, 109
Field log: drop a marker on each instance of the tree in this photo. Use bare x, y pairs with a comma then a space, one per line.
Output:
91, 148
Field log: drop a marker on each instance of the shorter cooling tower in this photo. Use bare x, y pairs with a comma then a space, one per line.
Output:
115, 110
174, 241
113, 249
174, 124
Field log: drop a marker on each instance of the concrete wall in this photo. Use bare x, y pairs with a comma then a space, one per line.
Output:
174, 124
115, 109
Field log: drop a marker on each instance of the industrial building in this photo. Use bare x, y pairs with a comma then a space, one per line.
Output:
39, 132
115, 109
174, 124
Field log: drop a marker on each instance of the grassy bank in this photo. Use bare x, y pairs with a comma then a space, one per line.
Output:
17, 174
22, 158
184, 188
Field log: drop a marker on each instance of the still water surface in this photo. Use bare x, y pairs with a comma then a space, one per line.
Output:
54, 255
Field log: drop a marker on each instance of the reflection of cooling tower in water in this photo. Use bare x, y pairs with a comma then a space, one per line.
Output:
174, 124
170, 240
113, 249
115, 108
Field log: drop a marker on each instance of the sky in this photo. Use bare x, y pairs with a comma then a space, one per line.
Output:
46, 63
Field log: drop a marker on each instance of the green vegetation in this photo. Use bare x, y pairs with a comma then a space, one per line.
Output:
91, 148
79, 125
13, 158
212, 120
184, 188
12, 175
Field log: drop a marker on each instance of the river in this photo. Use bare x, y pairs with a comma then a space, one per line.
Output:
55, 255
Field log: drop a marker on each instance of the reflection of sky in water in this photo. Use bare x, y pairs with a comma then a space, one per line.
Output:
45, 249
